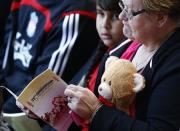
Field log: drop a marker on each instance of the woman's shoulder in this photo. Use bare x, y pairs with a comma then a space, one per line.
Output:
169, 51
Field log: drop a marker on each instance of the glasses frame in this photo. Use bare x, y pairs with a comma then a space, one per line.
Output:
135, 13
130, 14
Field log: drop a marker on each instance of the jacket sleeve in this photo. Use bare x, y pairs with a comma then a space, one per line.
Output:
5, 47
69, 45
161, 108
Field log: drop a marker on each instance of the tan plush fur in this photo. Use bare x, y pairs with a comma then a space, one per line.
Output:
120, 73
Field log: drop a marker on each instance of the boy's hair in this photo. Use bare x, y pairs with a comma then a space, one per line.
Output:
101, 50
111, 5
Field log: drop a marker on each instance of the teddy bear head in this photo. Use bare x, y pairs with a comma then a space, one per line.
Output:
120, 82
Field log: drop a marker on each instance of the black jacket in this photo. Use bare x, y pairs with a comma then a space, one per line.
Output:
158, 105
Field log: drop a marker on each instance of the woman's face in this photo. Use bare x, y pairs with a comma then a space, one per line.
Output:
109, 27
134, 17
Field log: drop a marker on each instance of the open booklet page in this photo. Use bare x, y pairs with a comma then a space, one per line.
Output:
44, 96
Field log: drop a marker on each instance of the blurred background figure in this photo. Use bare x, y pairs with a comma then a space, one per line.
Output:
4, 12
60, 35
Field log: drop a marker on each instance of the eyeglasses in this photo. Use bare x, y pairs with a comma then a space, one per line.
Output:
130, 14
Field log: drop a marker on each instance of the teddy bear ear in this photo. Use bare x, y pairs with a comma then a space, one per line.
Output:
110, 60
139, 82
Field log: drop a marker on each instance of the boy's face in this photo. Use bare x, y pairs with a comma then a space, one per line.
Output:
109, 27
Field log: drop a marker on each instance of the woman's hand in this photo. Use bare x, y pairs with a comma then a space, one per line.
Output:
82, 101
25, 110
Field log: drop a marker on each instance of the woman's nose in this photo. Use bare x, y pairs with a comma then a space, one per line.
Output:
122, 16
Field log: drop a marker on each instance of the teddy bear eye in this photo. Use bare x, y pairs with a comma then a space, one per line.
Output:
104, 79
109, 83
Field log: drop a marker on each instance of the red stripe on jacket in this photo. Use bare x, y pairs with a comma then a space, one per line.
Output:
85, 13
45, 11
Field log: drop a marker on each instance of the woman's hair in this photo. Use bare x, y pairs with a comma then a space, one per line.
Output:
111, 5
170, 7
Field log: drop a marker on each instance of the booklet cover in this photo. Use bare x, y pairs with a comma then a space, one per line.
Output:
44, 96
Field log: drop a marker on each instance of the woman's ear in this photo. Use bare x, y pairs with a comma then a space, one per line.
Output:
139, 82
162, 19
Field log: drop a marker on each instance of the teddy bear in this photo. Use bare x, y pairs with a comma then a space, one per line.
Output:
119, 83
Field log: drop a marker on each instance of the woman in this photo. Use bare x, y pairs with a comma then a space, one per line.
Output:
155, 24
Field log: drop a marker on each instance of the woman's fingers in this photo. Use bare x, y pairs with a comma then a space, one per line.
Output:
81, 100
32, 115
74, 91
69, 93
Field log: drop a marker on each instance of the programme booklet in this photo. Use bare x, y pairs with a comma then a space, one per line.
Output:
44, 96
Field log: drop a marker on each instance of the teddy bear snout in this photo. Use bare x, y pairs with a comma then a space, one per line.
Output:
105, 91
100, 88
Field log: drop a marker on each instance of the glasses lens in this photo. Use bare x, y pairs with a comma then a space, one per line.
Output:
134, 13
